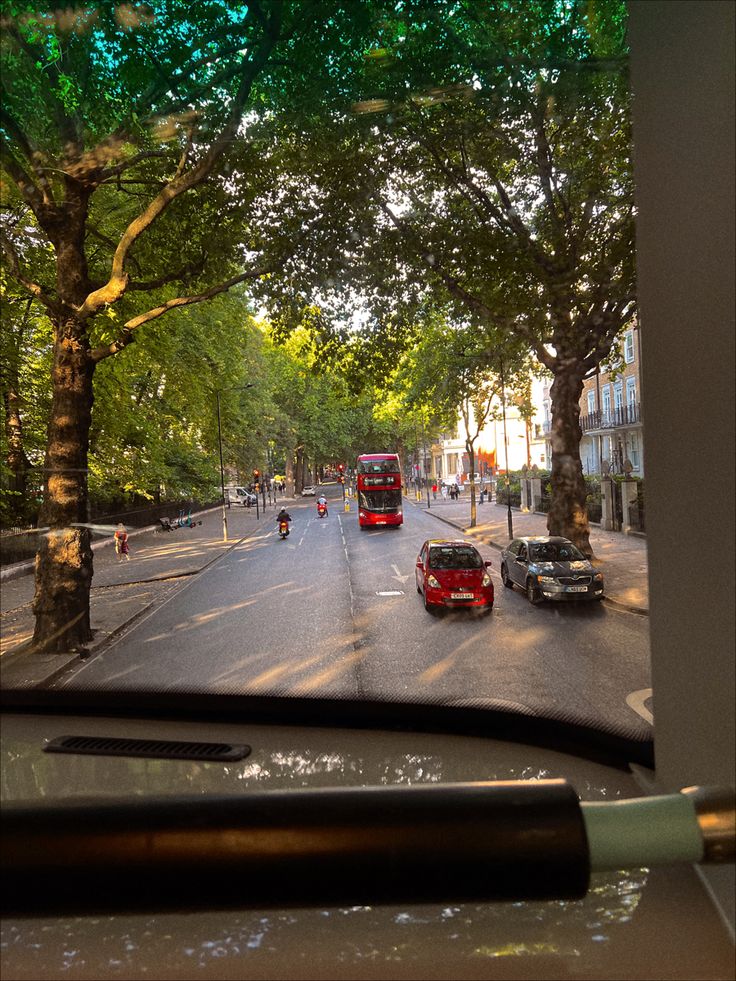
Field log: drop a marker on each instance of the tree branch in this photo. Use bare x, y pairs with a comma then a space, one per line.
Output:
120, 168
23, 181
118, 281
129, 328
191, 269
40, 292
30, 152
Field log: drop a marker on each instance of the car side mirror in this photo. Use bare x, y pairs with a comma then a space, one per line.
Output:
420, 564
520, 558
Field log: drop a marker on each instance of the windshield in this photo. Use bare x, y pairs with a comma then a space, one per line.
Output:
454, 557
553, 552
251, 246
378, 466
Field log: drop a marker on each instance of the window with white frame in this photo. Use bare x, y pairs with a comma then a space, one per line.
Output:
631, 391
591, 403
633, 449
618, 395
606, 393
629, 346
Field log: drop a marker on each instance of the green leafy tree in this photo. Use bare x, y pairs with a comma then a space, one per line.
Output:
489, 167
123, 138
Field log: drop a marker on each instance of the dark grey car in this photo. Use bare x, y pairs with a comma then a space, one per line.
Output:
550, 568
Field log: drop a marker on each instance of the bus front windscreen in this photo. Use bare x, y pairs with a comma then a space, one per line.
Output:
381, 501
378, 466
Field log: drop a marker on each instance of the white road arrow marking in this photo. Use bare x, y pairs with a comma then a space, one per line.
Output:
636, 701
398, 574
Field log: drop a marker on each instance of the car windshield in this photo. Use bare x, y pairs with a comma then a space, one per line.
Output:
454, 557
555, 552
292, 247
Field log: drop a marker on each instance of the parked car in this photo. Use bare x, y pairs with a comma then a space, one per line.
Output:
550, 568
453, 573
308, 491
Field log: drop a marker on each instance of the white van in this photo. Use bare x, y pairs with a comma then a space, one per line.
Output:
239, 495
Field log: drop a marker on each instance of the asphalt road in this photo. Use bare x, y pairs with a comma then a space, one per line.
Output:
334, 609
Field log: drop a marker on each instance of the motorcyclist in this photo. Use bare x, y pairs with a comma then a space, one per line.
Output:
322, 503
283, 515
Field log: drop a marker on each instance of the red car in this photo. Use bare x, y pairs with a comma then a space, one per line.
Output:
453, 574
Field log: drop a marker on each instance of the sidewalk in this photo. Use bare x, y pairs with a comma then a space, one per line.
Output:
621, 558
123, 590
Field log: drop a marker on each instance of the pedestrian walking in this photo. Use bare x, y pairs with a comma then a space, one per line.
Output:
434, 491
121, 543
444, 492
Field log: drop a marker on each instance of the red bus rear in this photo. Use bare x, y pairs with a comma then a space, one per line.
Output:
379, 490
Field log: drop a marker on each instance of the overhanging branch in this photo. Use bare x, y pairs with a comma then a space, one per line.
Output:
40, 292
118, 281
129, 328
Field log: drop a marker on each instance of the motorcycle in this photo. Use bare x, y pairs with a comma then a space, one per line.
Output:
321, 510
283, 529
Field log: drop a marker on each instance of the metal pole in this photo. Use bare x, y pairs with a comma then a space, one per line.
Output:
506, 449
424, 460
222, 469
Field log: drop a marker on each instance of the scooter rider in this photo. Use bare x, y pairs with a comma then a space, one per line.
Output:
283, 515
322, 503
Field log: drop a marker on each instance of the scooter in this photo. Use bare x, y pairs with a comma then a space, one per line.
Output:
321, 510
283, 529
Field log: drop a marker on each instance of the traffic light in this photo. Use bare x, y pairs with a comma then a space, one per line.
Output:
340, 467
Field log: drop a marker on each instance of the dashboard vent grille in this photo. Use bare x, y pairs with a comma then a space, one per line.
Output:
151, 748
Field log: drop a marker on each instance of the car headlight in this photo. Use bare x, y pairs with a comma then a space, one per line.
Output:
598, 577
431, 581
486, 580
547, 580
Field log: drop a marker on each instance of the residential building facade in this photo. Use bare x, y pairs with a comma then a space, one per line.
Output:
610, 414
526, 443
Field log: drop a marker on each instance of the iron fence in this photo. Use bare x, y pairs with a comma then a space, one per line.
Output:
636, 509
514, 492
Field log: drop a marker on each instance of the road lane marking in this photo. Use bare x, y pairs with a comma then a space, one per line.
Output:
398, 575
636, 700
389, 592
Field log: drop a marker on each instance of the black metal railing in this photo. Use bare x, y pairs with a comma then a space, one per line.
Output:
622, 415
636, 509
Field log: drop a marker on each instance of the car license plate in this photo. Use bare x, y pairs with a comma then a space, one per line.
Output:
462, 596
576, 589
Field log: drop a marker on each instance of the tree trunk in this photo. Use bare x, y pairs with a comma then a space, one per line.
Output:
299, 471
64, 559
568, 515
289, 479
473, 509
16, 458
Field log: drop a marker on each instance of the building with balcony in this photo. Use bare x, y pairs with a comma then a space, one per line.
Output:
610, 414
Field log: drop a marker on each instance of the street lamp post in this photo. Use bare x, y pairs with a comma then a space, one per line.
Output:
219, 443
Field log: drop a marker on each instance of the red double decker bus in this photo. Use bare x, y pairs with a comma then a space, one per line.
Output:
379, 490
